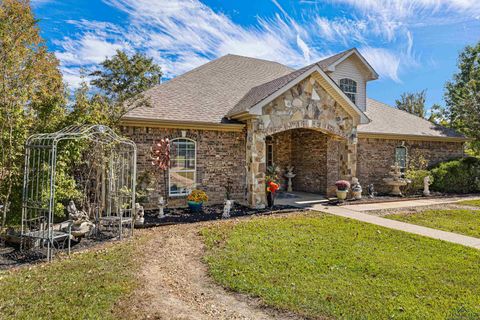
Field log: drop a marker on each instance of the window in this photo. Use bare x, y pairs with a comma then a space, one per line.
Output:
401, 157
349, 87
269, 143
182, 174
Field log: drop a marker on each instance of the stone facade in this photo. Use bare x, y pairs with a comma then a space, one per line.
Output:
220, 156
304, 106
375, 156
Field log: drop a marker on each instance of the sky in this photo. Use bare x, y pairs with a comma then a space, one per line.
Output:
412, 44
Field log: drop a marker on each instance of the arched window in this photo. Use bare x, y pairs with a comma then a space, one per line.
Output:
401, 157
349, 87
183, 170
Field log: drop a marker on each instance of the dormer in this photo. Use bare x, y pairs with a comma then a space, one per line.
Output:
351, 72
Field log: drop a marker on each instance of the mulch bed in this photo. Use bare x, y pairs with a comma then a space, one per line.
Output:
11, 256
209, 213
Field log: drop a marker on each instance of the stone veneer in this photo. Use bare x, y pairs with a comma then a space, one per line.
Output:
220, 155
304, 106
375, 156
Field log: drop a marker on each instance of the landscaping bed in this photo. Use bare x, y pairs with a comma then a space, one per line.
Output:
319, 265
11, 256
213, 212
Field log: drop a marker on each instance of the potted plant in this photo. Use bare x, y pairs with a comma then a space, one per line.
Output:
272, 184
272, 187
196, 199
342, 189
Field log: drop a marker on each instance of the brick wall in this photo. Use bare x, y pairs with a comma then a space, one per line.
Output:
306, 150
375, 156
220, 155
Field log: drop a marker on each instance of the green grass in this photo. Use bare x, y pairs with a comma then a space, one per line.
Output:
474, 203
465, 222
84, 286
320, 265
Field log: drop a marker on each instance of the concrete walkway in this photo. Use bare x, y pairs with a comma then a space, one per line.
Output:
357, 212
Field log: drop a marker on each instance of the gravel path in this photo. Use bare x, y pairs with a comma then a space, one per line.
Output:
176, 284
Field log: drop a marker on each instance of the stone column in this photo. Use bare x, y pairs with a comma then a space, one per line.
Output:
333, 164
256, 164
348, 159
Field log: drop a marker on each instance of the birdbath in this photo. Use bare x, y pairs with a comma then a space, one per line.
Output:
289, 175
395, 180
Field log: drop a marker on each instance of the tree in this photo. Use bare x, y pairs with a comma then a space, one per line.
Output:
123, 79
462, 95
413, 103
31, 93
438, 115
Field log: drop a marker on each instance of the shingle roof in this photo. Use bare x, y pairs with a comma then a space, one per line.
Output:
258, 93
388, 120
207, 93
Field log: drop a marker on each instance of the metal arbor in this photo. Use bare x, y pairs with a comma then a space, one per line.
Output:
105, 179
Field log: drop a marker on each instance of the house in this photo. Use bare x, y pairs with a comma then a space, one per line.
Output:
232, 117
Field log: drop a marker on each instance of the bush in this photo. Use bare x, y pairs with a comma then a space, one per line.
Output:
416, 177
457, 176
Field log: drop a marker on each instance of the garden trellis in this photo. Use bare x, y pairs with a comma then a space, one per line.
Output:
104, 181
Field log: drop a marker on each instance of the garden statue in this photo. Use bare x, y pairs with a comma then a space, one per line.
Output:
81, 224
227, 208
161, 206
356, 189
290, 175
426, 186
395, 180
371, 190
139, 214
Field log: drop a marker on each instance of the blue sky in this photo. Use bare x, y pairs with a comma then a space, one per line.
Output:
413, 44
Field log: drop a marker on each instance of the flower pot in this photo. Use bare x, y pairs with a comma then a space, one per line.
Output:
342, 194
357, 195
195, 206
270, 199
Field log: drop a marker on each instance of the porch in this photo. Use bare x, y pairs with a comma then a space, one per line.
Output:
299, 199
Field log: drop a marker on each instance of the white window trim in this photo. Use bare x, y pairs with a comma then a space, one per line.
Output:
406, 156
170, 194
348, 92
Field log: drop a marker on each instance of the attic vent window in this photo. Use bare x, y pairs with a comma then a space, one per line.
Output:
349, 87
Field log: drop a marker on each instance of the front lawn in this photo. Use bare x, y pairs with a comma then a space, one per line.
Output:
320, 265
473, 203
84, 286
465, 222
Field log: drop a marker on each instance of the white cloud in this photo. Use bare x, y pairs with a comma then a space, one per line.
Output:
183, 34
384, 61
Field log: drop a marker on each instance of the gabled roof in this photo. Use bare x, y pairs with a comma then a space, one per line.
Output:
263, 91
387, 120
333, 61
220, 87
207, 93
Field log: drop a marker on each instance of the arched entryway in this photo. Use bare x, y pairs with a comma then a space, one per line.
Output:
307, 151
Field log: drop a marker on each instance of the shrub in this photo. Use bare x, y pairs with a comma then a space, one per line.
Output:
457, 176
416, 180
